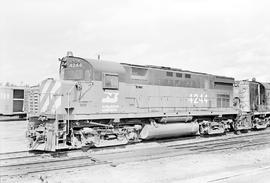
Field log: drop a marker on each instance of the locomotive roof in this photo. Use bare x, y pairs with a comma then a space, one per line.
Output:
106, 66
266, 85
115, 67
173, 69
14, 87
163, 68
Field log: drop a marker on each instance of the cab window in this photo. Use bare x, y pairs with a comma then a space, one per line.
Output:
110, 81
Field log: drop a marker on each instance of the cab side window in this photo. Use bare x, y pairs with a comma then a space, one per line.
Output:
110, 81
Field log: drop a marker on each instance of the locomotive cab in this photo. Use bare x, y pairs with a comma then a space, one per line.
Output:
252, 102
257, 96
75, 69
259, 105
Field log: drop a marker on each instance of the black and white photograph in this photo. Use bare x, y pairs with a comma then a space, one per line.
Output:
134, 91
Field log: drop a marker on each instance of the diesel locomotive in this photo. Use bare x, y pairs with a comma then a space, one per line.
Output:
99, 103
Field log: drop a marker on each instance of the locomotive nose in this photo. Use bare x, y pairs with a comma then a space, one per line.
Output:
50, 98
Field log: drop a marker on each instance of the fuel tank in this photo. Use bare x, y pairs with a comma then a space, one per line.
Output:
156, 130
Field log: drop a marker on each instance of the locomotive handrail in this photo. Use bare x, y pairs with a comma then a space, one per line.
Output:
68, 95
90, 86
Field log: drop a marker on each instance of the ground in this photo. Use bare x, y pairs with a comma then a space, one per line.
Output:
248, 165
12, 136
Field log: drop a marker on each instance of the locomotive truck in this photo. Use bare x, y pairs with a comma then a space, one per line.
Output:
99, 103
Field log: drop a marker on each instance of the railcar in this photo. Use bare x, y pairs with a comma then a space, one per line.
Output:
13, 102
102, 103
252, 98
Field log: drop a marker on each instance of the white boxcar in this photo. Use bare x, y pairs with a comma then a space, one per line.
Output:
12, 101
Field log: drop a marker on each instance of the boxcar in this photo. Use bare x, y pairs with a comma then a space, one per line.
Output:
13, 101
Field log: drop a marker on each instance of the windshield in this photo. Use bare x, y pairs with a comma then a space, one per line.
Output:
75, 69
73, 74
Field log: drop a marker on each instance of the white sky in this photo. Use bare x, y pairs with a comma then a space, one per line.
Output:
224, 37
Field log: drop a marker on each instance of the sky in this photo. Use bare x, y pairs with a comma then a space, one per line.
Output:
223, 37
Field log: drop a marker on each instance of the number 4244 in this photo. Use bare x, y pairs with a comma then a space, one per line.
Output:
198, 98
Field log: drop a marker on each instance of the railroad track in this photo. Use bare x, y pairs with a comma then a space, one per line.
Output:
10, 167
48, 165
13, 154
172, 151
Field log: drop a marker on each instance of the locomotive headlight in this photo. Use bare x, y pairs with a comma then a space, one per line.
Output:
69, 54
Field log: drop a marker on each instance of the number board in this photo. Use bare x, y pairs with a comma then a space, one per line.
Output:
74, 64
